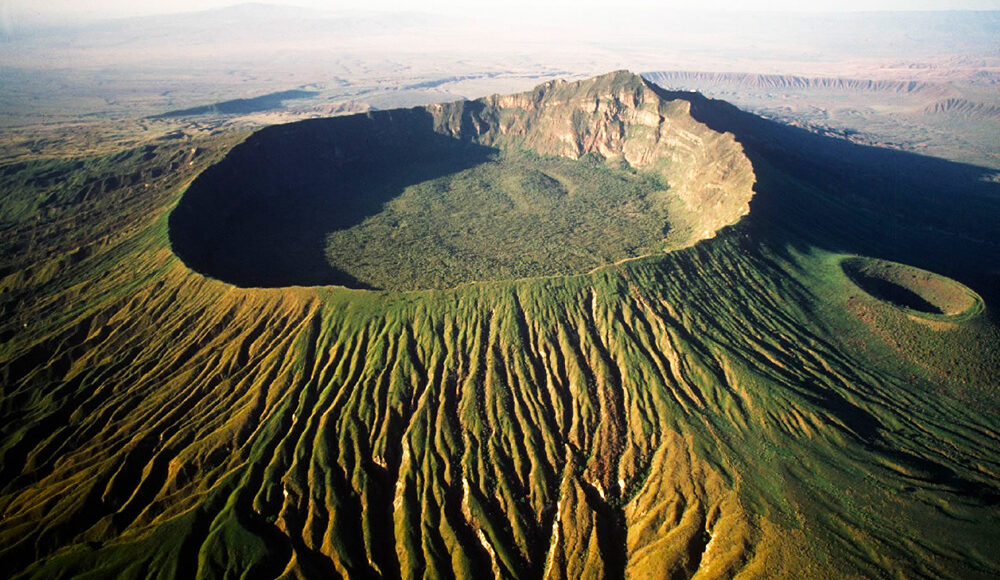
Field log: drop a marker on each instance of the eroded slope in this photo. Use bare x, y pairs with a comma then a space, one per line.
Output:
730, 408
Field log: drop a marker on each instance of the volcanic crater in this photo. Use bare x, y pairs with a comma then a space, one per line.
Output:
559, 180
911, 288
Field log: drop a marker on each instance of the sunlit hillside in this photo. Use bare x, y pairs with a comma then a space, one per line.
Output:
806, 389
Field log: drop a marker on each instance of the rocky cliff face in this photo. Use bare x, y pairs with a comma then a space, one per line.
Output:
620, 117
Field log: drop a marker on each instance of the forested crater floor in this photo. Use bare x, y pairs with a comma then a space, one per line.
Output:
740, 404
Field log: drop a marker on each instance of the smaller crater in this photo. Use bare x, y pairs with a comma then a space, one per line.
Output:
911, 288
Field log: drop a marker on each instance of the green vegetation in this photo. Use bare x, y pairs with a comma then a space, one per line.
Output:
516, 216
735, 407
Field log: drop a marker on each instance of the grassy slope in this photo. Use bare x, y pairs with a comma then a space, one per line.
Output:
735, 406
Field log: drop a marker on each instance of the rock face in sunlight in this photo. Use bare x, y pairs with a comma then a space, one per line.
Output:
262, 355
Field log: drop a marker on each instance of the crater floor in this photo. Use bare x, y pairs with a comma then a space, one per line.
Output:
516, 216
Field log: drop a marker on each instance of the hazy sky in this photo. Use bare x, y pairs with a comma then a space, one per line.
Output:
103, 8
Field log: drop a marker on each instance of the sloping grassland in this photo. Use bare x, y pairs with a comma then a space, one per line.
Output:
735, 407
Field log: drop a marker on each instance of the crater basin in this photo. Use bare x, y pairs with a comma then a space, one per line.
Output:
557, 181
912, 289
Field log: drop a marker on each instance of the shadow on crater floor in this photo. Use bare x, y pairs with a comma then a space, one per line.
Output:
260, 217
891, 292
